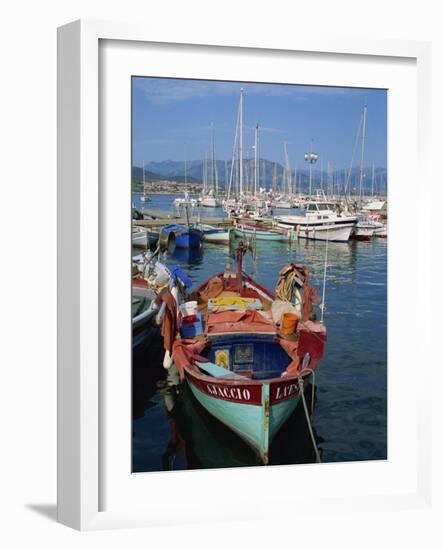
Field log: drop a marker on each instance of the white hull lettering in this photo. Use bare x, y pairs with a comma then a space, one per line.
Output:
236, 393
286, 391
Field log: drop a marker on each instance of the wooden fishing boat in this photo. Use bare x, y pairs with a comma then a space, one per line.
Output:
149, 277
199, 439
181, 236
263, 233
242, 367
216, 235
139, 237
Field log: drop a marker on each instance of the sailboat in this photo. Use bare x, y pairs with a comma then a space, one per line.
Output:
144, 197
209, 197
365, 228
235, 196
284, 201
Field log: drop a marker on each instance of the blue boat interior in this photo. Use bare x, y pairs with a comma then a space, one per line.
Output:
256, 356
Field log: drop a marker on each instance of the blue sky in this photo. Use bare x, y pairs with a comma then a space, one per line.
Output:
171, 120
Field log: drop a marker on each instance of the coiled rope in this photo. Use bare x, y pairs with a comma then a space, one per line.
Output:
285, 286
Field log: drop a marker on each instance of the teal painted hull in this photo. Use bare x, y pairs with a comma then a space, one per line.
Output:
262, 235
256, 424
258, 235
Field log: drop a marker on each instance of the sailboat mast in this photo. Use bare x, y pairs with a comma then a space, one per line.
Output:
263, 177
288, 179
225, 175
144, 180
256, 161
361, 173
234, 166
205, 174
372, 181
214, 181
240, 143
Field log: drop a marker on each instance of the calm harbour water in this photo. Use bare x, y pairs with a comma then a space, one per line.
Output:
172, 431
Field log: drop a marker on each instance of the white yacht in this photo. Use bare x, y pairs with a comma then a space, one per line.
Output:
209, 200
282, 202
375, 206
320, 223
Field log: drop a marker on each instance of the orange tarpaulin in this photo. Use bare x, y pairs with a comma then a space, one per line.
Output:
186, 352
170, 322
239, 321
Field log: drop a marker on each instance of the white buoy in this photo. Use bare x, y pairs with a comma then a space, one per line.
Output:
167, 361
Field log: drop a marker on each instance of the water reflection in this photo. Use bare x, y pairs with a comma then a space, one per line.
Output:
189, 257
197, 440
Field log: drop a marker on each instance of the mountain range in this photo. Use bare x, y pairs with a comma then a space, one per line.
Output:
271, 174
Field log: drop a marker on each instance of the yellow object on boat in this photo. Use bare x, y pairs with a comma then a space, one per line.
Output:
222, 358
232, 301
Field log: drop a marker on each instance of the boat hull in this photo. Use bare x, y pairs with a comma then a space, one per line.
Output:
380, 232
142, 329
183, 237
362, 234
140, 239
210, 202
189, 239
261, 235
255, 413
330, 232
217, 237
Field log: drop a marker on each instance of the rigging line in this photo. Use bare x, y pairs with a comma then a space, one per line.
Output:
307, 417
352, 158
325, 277
235, 145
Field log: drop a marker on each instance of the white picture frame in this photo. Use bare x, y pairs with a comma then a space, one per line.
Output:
79, 271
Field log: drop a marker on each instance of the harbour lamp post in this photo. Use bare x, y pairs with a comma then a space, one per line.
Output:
311, 158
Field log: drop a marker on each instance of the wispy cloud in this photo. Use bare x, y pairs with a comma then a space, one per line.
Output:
161, 91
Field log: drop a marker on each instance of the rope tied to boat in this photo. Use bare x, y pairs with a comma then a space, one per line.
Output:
304, 404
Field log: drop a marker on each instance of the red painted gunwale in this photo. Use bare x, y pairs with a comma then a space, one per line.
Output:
202, 381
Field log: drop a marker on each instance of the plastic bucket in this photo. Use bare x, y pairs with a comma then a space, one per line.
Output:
289, 323
189, 308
